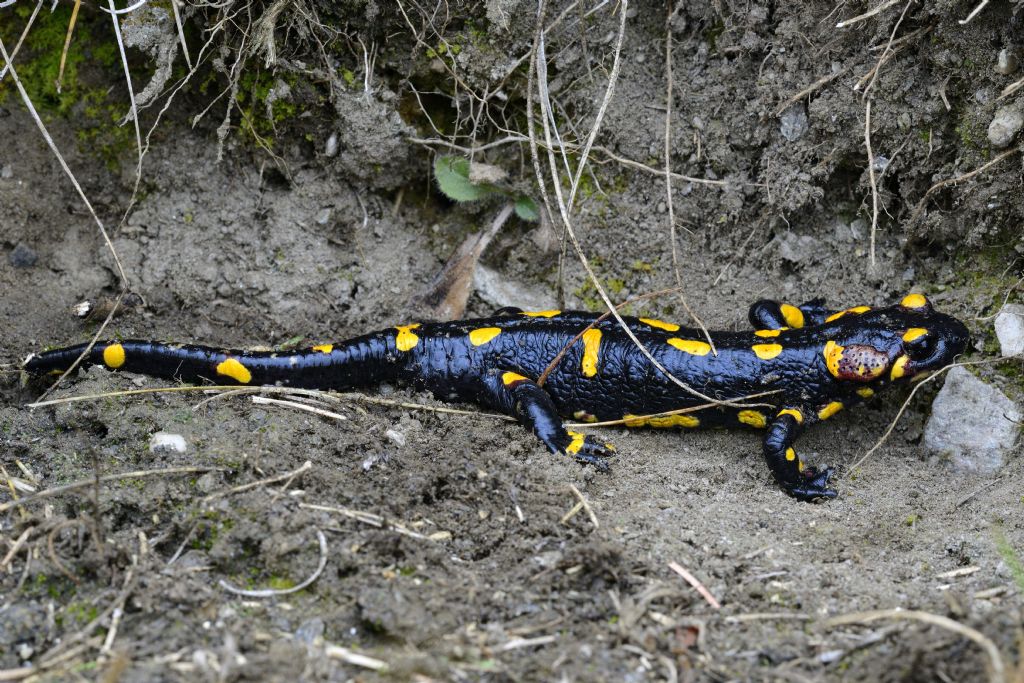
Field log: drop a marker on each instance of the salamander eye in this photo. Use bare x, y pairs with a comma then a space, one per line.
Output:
918, 343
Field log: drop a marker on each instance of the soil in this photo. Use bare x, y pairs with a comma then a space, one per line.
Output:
458, 558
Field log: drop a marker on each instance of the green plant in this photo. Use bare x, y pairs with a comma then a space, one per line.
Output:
452, 174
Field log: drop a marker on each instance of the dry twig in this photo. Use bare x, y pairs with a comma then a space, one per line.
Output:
273, 592
692, 580
996, 669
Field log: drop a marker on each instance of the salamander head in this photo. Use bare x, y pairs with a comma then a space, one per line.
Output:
907, 341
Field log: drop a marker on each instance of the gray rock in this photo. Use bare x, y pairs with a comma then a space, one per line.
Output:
972, 423
165, 442
499, 291
23, 256
1010, 330
793, 122
1006, 63
1005, 125
796, 248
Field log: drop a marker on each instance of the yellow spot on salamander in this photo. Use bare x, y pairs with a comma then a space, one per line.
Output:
914, 301
113, 356
797, 415
865, 392
584, 416
767, 333
406, 340
591, 352
232, 368
835, 316
793, 316
324, 348
663, 422
510, 378
840, 314
482, 335
800, 465
830, 410
690, 346
790, 454
753, 418
833, 354
913, 333
660, 324
899, 367
541, 314
576, 444
767, 351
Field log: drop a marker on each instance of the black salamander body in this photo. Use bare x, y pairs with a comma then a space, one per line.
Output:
814, 362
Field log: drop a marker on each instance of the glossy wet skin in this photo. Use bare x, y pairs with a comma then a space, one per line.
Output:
808, 363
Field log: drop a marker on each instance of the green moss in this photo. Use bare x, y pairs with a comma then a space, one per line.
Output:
280, 583
96, 107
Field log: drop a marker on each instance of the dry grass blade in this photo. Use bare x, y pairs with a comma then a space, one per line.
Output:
867, 15
376, 520
678, 411
1010, 89
813, 87
871, 177
21, 38
349, 657
67, 44
263, 400
20, 541
272, 592
997, 671
306, 466
85, 483
958, 179
903, 408
85, 200
539, 65
668, 184
697, 585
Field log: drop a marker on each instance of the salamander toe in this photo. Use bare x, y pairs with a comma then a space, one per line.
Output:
814, 486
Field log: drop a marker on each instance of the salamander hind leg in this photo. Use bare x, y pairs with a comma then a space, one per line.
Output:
533, 407
773, 315
798, 480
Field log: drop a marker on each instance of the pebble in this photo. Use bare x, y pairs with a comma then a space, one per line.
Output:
1006, 62
166, 442
1010, 330
1005, 125
397, 437
6, 171
499, 291
23, 256
331, 148
796, 248
793, 122
972, 423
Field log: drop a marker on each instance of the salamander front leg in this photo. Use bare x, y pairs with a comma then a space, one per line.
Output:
796, 479
531, 405
772, 315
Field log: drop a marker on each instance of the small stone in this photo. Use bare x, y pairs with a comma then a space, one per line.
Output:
310, 630
796, 248
793, 122
1010, 330
1006, 62
166, 442
323, 216
6, 171
499, 291
23, 256
1005, 125
397, 437
331, 148
973, 423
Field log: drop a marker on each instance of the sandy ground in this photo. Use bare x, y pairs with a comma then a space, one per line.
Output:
450, 553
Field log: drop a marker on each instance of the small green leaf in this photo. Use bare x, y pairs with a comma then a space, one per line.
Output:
527, 209
452, 175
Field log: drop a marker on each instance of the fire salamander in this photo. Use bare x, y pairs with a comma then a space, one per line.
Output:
815, 361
